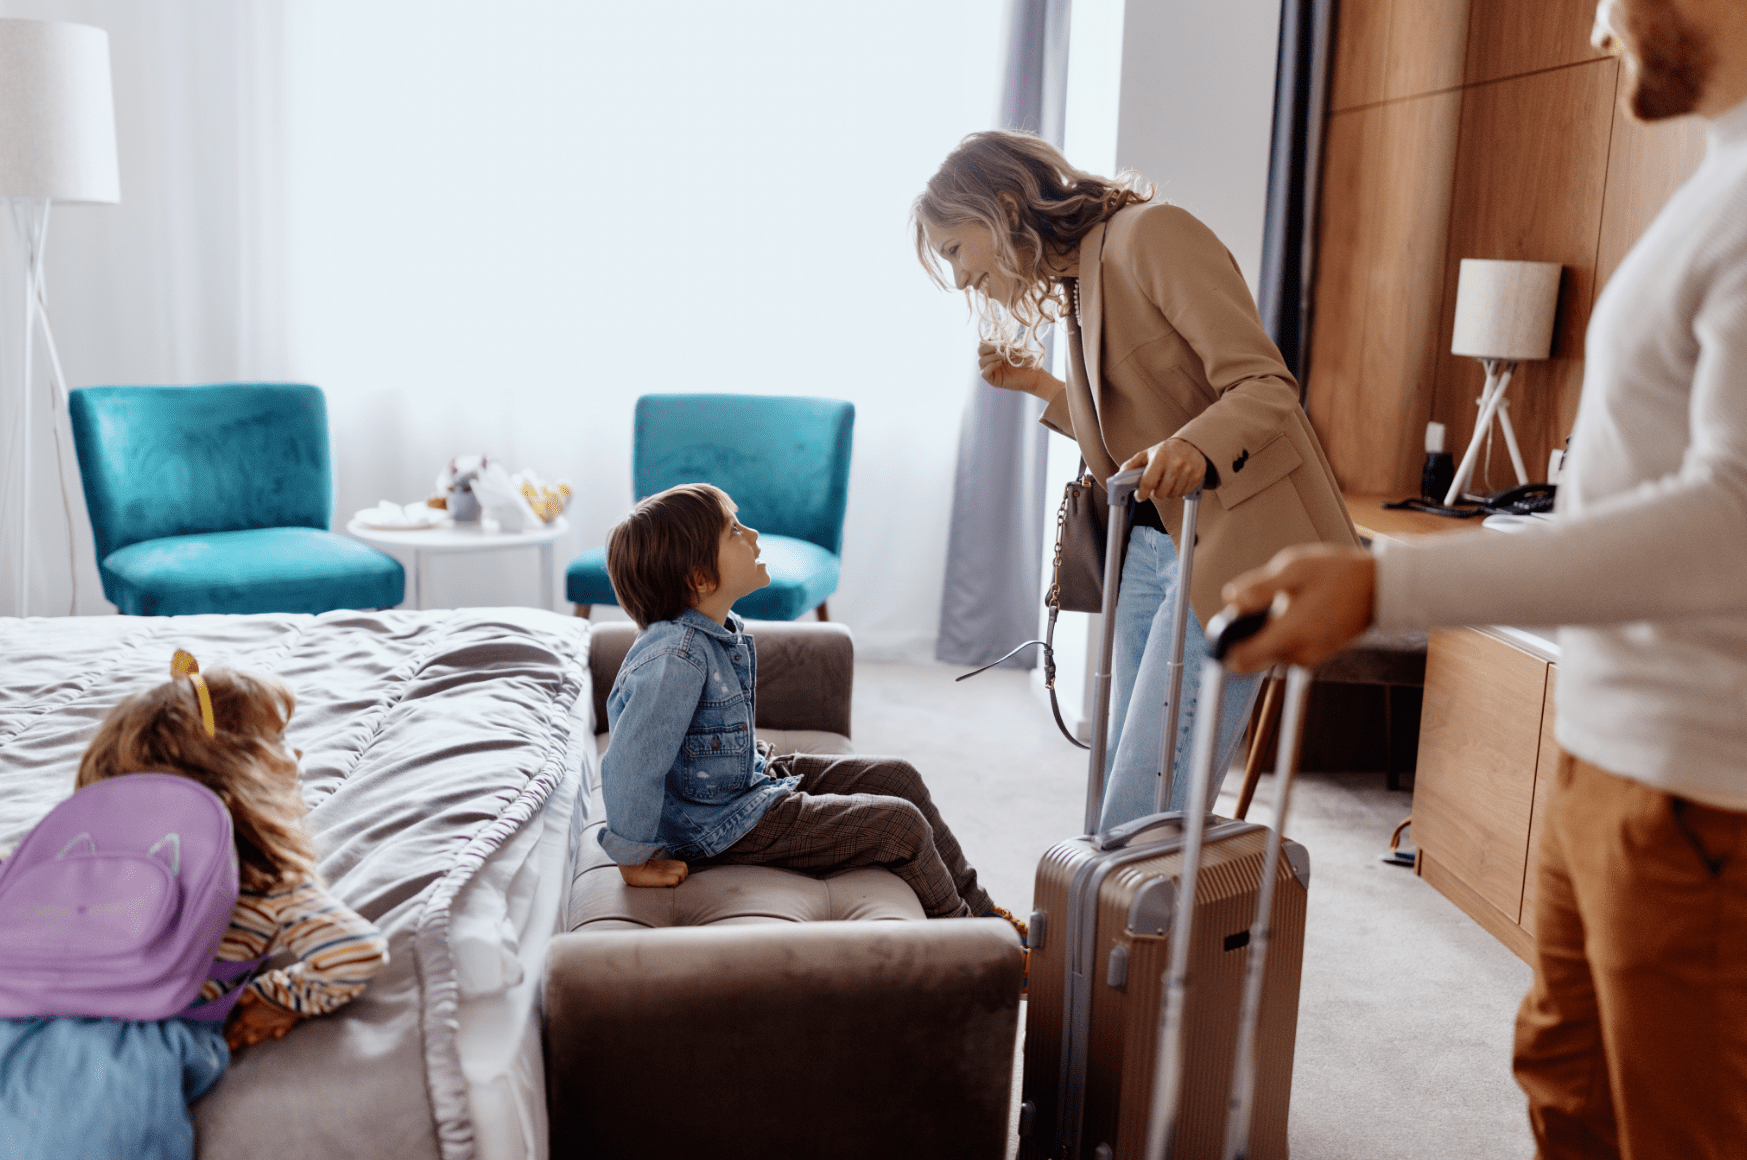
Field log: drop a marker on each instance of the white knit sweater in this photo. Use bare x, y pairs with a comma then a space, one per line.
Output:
1645, 562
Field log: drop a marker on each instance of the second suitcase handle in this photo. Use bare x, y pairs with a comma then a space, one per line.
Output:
1223, 632
1226, 630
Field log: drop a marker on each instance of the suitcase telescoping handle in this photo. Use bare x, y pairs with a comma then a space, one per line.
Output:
1225, 631
1174, 671
1119, 492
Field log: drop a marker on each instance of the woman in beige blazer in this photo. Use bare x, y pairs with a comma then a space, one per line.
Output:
1170, 370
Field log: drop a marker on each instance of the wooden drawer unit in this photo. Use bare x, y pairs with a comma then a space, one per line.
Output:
1546, 769
1486, 757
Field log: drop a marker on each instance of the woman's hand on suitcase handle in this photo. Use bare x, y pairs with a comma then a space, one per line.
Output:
1174, 468
1320, 596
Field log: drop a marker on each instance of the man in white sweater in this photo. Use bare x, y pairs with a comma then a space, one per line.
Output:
1633, 1039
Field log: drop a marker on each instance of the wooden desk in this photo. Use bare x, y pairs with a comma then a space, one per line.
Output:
1376, 522
1486, 752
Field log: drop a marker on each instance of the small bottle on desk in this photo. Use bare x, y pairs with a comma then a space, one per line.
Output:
1440, 468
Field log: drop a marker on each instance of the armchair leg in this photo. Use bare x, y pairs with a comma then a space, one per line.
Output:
820, 611
583, 610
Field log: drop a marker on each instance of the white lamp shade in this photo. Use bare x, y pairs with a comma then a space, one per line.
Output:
57, 113
1505, 310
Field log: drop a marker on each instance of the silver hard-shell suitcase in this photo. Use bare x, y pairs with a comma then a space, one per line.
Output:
1152, 1028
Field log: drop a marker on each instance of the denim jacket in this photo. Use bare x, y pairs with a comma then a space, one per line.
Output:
682, 777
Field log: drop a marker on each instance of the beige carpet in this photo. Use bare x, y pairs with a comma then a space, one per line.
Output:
1405, 1013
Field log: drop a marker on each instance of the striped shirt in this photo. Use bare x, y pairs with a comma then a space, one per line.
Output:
337, 950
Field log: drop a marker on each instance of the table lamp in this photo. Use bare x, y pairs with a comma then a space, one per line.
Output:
1504, 314
57, 143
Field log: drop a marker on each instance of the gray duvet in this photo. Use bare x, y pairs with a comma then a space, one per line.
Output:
428, 738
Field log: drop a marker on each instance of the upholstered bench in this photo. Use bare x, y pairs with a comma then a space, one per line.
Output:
758, 1012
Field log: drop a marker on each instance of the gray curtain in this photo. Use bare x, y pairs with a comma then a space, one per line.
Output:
1294, 171
995, 543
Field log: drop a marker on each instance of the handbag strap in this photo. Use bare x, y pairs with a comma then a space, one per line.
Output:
1052, 601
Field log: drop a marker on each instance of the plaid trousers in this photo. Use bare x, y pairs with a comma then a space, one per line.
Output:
863, 811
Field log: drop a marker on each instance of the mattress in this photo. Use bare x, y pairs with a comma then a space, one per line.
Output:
504, 920
444, 755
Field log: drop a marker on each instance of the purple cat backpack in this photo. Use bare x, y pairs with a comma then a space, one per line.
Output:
115, 904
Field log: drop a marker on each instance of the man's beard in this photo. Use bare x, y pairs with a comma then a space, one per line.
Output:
1667, 61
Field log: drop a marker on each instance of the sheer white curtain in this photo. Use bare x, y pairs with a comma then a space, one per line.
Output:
489, 227
184, 281
510, 220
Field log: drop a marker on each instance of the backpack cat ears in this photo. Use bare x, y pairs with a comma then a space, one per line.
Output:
183, 664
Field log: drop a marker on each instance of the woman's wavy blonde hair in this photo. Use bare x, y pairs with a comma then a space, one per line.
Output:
1036, 205
244, 762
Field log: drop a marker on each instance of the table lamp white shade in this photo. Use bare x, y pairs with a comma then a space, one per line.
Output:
1504, 310
57, 113
1504, 315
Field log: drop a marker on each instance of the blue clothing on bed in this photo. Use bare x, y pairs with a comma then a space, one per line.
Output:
104, 1087
682, 776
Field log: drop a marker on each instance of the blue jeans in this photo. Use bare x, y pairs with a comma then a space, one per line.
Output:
104, 1087
1139, 672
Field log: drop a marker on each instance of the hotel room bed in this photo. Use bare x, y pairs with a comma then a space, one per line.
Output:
444, 754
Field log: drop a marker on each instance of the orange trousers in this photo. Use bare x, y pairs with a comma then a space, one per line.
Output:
1632, 1042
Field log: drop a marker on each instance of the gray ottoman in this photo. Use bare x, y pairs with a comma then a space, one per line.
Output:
759, 1012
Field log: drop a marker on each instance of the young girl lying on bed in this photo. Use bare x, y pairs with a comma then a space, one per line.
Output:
683, 778
110, 1087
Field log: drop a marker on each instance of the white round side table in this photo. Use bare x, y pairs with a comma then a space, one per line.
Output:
450, 536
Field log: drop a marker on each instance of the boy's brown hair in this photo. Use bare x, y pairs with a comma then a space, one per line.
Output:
658, 553
244, 762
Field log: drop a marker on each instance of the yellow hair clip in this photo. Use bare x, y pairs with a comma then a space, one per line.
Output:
183, 664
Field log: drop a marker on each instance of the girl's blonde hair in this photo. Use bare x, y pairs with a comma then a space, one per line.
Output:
245, 763
1038, 208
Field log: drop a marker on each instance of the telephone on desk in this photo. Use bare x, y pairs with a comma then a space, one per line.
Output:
1527, 499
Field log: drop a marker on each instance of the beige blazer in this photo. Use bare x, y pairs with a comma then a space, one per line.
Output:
1173, 346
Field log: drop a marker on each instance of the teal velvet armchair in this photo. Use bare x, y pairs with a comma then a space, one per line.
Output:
217, 499
784, 459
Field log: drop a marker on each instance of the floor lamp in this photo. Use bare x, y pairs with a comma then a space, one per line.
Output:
1504, 314
57, 143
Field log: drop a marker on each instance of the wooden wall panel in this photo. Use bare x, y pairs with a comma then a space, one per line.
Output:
1546, 170
1388, 50
1351, 174
1508, 38
1428, 43
1361, 53
1528, 188
1379, 293
1646, 164
1405, 308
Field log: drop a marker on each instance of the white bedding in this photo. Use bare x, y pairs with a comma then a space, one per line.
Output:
443, 757
503, 921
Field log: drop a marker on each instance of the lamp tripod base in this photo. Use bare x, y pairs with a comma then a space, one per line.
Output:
1492, 404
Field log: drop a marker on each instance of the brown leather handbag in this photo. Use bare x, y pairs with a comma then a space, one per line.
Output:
1081, 525
1076, 574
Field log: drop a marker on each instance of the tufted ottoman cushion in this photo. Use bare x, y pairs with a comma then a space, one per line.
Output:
711, 895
